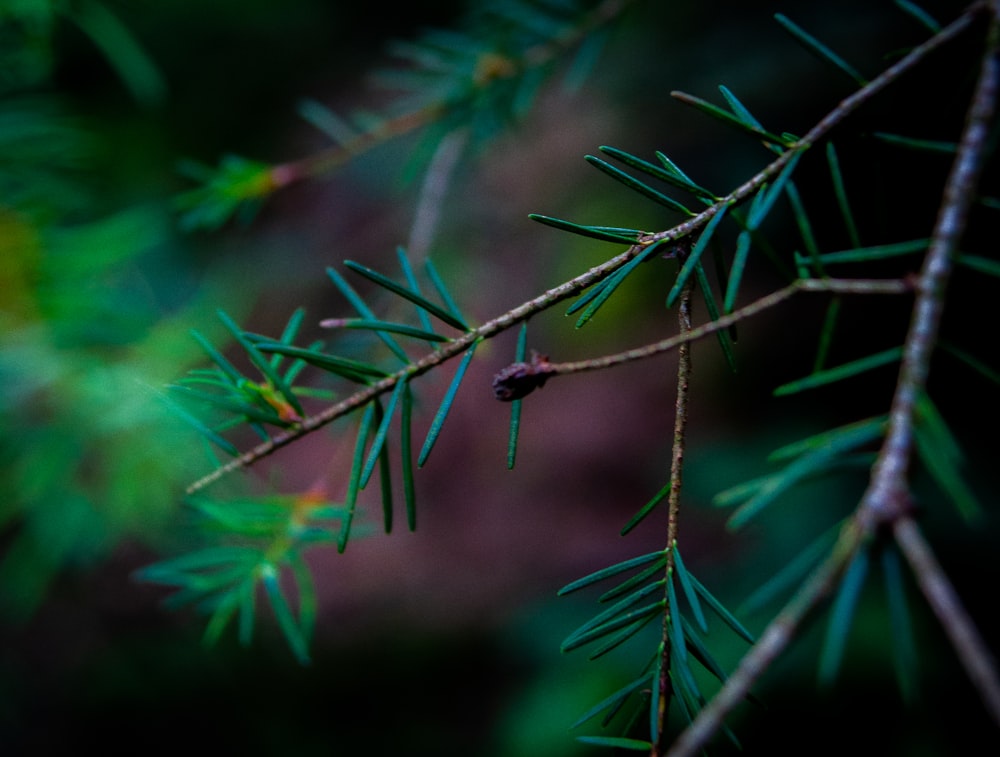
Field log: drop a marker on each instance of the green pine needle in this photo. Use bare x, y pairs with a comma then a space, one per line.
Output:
352, 370
821, 51
728, 118
669, 172
613, 570
520, 353
837, 177
406, 453
380, 435
725, 341
646, 509
382, 326
414, 297
445, 407
674, 627
353, 484
720, 609
442, 290
365, 312
411, 280
614, 701
626, 236
617, 639
606, 288
688, 587
694, 257
941, 455
841, 372
919, 145
842, 617
638, 186
284, 615
922, 16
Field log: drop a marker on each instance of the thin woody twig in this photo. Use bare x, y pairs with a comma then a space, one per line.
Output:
458, 345
887, 495
841, 286
496, 67
887, 499
772, 642
576, 285
941, 596
673, 509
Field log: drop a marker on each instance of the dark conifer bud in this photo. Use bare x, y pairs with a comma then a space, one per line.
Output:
518, 380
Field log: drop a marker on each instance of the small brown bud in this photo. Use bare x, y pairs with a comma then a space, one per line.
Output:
518, 380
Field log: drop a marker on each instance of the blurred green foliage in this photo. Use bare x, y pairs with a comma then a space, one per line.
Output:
92, 317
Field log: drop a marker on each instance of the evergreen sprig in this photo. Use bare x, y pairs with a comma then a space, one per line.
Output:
654, 599
478, 77
265, 538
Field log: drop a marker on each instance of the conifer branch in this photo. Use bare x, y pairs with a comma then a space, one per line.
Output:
328, 160
673, 509
887, 499
884, 508
553, 296
598, 273
839, 286
772, 642
575, 286
980, 665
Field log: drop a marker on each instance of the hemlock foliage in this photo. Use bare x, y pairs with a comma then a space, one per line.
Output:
827, 261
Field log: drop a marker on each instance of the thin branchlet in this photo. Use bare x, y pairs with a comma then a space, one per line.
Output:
576, 285
495, 67
673, 510
686, 336
886, 501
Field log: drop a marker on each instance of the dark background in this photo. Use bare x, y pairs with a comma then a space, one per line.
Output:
445, 641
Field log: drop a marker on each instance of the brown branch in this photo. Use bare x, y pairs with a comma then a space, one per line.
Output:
499, 68
458, 345
887, 497
841, 286
772, 642
941, 596
574, 286
673, 510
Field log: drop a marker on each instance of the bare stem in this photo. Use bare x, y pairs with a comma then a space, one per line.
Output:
332, 158
887, 498
673, 509
941, 596
772, 642
680, 420
842, 286
575, 286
